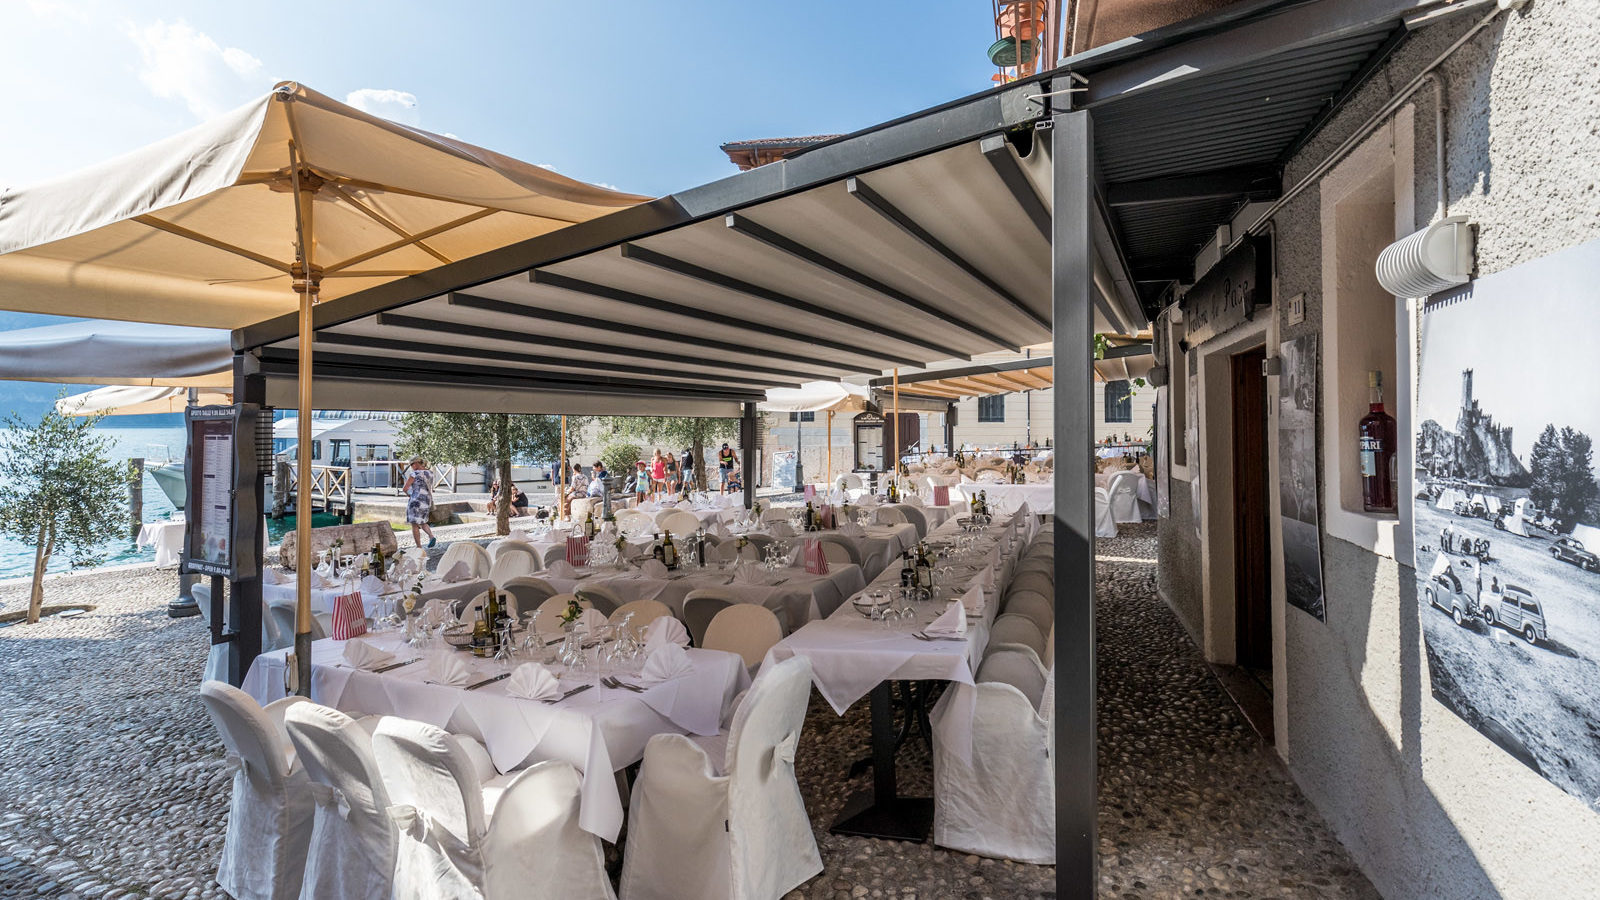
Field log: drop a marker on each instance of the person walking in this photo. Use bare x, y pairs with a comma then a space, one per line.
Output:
418, 489
726, 461
686, 468
658, 473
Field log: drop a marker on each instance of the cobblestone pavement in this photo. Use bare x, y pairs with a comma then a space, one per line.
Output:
112, 784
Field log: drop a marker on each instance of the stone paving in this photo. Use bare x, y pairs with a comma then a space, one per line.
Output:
112, 784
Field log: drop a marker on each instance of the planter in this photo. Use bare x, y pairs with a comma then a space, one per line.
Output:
1007, 52
1024, 20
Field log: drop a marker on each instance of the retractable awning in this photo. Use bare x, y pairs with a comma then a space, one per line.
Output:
97, 351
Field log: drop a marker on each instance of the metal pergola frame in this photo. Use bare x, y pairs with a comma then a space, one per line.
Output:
1063, 106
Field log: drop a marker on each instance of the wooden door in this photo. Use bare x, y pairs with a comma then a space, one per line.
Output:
1251, 540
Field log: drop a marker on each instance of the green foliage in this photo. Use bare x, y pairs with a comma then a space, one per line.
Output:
1562, 465
672, 434
59, 489
466, 438
619, 457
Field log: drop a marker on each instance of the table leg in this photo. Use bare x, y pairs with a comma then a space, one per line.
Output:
882, 812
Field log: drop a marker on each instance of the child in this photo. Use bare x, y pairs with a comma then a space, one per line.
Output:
641, 482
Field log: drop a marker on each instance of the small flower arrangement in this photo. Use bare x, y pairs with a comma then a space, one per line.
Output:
572, 612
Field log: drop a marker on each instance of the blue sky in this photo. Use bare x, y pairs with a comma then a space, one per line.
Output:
637, 95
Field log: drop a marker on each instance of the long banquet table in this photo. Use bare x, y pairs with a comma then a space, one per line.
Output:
797, 594
1008, 498
599, 731
852, 657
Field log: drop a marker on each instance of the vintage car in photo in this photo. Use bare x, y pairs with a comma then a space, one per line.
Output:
1516, 610
1572, 550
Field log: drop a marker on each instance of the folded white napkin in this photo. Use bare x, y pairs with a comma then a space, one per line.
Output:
914, 500
870, 500
972, 600
666, 662
560, 535
665, 630
437, 611
318, 582
797, 556
363, 655
458, 573
749, 573
561, 569
653, 568
780, 529
592, 620
852, 530
517, 534
720, 529
449, 668
951, 623
532, 681
279, 576
374, 585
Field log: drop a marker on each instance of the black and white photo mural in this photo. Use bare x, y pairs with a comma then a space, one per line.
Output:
1506, 510
1297, 475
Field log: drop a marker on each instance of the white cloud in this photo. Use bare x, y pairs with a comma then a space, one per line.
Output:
609, 187
396, 106
178, 62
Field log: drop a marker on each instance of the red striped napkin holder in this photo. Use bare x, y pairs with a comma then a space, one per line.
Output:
349, 617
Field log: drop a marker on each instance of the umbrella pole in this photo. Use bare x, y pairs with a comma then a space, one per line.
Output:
306, 283
830, 448
561, 481
895, 466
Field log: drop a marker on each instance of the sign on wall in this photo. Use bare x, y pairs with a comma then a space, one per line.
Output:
1297, 475
1227, 295
221, 456
1508, 404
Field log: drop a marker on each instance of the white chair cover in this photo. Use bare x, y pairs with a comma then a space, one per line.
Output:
1124, 491
699, 828
527, 593
890, 515
679, 523
1105, 524
514, 561
1000, 801
1013, 628
352, 852
476, 558
644, 612
513, 543
600, 596
634, 523
269, 816
217, 656
1033, 605
746, 629
448, 845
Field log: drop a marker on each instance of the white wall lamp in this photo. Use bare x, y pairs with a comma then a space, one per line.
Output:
1434, 259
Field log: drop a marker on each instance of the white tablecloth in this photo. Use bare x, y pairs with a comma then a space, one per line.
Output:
322, 598
1008, 498
799, 596
166, 537
599, 731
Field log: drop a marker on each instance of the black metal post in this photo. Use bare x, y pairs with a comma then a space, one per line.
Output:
747, 447
244, 594
799, 452
950, 430
1072, 288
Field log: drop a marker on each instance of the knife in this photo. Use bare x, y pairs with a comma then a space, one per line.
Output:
503, 675
577, 690
397, 665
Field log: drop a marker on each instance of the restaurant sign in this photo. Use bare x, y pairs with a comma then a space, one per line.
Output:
218, 515
1227, 296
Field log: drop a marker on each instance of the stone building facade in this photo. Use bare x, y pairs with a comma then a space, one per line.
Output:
1428, 805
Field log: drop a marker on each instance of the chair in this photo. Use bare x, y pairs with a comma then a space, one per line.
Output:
352, 851
469, 610
644, 612
678, 523
1038, 582
1105, 524
1000, 801
1018, 670
511, 836
476, 558
580, 509
1035, 560
511, 543
1015, 628
545, 617
217, 655
513, 561
848, 546
746, 629
1034, 605
418, 556
837, 553
633, 523
270, 813
723, 817
1124, 491
916, 517
848, 481
776, 514
889, 515
599, 596
283, 621
526, 593
551, 554
699, 608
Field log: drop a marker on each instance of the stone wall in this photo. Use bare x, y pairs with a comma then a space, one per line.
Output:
358, 538
1429, 807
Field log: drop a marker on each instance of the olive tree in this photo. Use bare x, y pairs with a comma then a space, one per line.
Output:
676, 432
461, 438
60, 489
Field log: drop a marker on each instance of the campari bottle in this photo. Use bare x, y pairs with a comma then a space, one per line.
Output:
1377, 436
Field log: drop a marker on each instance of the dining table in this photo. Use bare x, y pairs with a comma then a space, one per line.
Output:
599, 730
796, 595
373, 601
854, 656
1008, 498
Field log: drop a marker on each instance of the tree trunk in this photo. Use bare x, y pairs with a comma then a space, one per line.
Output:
502, 452
699, 450
41, 559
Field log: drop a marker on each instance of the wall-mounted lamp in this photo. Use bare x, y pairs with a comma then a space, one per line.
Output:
1157, 376
1434, 259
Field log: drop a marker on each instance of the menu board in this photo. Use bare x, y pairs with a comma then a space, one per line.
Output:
220, 460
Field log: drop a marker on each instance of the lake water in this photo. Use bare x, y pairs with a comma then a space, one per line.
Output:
16, 558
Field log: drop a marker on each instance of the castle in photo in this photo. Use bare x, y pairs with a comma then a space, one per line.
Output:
1478, 450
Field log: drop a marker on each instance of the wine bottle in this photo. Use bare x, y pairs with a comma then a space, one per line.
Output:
588, 525
908, 571
811, 515
924, 568
669, 552
1377, 441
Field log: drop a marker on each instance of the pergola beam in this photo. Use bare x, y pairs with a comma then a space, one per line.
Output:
756, 292
998, 153
1242, 182
766, 236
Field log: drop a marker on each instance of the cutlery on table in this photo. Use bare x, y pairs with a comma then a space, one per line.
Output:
501, 676
392, 666
577, 690
616, 683
934, 637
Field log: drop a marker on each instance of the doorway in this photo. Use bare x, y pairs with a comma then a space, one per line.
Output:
1251, 516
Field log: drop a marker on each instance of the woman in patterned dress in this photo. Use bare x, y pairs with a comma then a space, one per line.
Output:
419, 500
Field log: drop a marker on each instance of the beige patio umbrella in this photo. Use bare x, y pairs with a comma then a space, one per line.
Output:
133, 400
263, 211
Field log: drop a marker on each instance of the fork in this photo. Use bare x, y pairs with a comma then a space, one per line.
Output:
577, 690
611, 682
